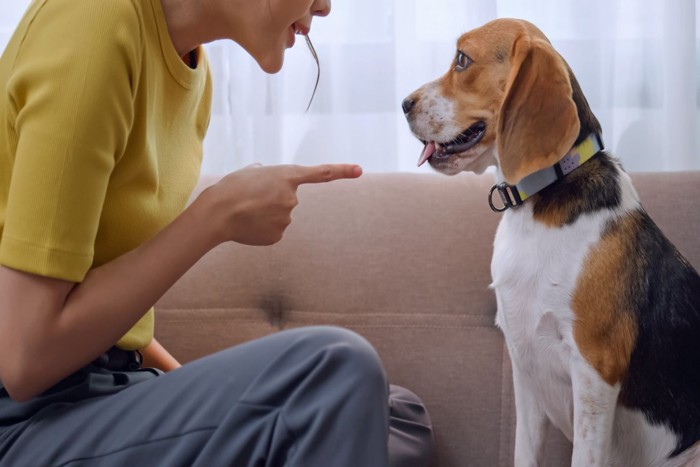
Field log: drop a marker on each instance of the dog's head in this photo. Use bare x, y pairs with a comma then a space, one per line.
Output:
508, 98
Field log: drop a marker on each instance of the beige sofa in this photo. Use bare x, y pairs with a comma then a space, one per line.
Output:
403, 259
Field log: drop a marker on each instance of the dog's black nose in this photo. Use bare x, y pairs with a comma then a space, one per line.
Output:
407, 105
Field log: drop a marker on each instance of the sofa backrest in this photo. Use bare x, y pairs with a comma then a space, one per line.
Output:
403, 259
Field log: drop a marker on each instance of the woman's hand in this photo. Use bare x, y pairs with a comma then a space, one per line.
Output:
253, 206
156, 356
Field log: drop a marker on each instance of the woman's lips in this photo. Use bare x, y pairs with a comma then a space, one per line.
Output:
296, 29
301, 29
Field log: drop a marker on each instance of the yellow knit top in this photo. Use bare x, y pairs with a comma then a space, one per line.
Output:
101, 129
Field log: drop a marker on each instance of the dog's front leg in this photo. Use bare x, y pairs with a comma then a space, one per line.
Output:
530, 422
594, 414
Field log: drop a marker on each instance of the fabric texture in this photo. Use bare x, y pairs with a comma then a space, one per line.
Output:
101, 127
311, 397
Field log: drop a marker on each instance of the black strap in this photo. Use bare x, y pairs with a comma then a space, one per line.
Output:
116, 359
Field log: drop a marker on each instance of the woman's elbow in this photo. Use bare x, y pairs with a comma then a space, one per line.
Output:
19, 383
20, 394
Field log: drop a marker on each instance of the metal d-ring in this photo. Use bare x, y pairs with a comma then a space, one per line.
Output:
509, 196
493, 206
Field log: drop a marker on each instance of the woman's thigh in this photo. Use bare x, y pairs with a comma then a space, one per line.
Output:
266, 402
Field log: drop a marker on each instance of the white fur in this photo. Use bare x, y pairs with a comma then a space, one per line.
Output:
534, 270
435, 116
433, 120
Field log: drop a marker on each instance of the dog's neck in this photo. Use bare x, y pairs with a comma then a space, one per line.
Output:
587, 119
513, 196
588, 143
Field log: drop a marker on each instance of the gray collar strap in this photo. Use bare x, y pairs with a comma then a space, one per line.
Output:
514, 196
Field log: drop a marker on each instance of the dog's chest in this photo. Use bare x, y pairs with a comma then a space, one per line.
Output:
535, 269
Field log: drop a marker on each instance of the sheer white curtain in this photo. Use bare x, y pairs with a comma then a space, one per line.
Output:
637, 61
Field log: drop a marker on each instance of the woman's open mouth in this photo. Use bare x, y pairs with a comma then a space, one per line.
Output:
465, 141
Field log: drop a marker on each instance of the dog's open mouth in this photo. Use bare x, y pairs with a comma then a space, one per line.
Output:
465, 141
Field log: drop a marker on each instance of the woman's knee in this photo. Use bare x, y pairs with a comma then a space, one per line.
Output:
348, 353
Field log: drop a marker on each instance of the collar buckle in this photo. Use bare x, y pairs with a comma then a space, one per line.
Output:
509, 197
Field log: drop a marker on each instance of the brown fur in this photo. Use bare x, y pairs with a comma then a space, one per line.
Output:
479, 92
538, 121
605, 330
561, 204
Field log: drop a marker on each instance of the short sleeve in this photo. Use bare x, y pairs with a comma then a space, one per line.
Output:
71, 93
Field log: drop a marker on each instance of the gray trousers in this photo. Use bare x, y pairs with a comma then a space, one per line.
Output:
309, 397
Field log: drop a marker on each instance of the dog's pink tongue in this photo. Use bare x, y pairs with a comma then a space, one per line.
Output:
428, 151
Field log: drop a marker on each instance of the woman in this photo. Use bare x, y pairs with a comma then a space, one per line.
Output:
104, 107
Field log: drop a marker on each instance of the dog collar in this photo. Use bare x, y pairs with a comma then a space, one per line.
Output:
514, 196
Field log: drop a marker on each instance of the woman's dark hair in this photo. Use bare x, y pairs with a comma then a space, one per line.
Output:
318, 67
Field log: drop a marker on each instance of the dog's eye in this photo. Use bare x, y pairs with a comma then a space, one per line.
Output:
462, 61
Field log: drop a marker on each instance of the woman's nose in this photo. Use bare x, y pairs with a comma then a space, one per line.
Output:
321, 8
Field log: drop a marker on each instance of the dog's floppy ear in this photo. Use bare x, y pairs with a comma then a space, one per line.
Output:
538, 121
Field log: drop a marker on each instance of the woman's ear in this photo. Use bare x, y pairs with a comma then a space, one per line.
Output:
538, 123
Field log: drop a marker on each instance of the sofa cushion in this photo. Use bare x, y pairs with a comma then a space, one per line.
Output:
403, 259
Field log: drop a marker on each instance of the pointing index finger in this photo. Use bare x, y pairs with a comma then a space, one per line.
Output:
326, 173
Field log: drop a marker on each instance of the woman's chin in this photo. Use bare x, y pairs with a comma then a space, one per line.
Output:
271, 63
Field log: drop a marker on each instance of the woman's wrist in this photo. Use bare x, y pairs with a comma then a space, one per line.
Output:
202, 215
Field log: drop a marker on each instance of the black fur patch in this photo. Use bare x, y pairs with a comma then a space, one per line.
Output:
663, 380
591, 187
586, 117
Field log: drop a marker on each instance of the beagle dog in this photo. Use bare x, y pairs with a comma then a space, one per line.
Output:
600, 312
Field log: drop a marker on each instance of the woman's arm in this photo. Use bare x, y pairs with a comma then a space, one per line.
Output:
156, 356
50, 328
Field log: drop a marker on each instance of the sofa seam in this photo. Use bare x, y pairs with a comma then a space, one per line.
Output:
320, 312
362, 325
